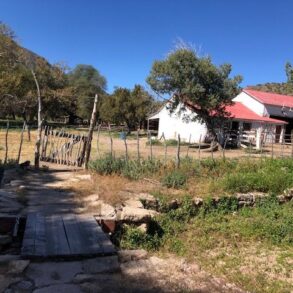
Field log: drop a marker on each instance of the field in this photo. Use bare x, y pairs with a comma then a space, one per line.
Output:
251, 247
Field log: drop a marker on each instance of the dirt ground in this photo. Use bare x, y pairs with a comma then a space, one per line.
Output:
101, 146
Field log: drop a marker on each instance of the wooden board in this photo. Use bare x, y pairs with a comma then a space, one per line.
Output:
64, 236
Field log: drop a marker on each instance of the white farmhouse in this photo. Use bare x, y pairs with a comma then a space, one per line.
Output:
267, 116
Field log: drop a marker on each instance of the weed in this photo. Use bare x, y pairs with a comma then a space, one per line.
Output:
175, 179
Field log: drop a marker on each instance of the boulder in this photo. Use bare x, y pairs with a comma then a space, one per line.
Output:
134, 203
16, 183
131, 255
148, 200
143, 227
17, 267
136, 215
82, 278
245, 199
104, 210
6, 258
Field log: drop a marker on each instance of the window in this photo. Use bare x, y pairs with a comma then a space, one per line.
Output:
246, 126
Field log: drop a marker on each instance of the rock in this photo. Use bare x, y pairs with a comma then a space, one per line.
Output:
132, 255
17, 267
197, 201
60, 288
5, 240
82, 278
173, 204
245, 199
148, 200
143, 227
23, 286
6, 281
288, 194
107, 264
134, 203
104, 210
49, 273
6, 258
21, 188
136, 215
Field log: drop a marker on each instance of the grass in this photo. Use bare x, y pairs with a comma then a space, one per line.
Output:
251, 247
211, 177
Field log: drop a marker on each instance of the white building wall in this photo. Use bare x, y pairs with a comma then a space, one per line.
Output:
279, 111
251, 104
173, 124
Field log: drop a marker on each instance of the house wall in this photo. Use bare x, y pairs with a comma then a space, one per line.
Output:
251, 104
173, 124
278, 111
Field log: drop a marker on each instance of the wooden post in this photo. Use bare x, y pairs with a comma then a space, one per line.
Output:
178, 153
212, 149
199, 146
138, 152
126, 149
28, 132
39, 132
165, 148
272, 150
188, 145
90, 133
111, 141
98, 140
21, 142
6, 143
151, 146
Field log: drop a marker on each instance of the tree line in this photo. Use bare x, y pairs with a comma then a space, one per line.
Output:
65, 92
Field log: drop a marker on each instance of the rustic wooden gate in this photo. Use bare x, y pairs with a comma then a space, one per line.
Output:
60, 147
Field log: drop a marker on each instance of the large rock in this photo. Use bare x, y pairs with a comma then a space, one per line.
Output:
134, 203
17, 267
148, 200
197, 201
104, 210
132, 255
136, 215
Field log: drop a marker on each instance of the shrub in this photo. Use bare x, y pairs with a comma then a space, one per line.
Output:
108, 165
175, 179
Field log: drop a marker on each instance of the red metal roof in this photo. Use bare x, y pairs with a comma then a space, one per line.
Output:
271, 98
240, 112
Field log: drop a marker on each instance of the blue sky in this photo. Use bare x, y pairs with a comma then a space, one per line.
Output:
123, 38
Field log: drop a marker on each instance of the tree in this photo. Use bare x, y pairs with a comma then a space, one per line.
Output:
86, 82
195, 80
289, 72
127, 106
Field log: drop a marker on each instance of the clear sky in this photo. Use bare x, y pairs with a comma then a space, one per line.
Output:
122, 38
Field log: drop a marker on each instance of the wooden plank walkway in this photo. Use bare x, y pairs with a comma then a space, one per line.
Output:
64, 236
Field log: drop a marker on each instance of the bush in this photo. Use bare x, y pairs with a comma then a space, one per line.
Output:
107, 165
175, 179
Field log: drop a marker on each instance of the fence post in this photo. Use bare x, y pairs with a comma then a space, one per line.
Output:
137, 138
165, 148
90, 133
188, 145
212, 149
272, 150
151, 145
6, 143
21, 141
126, 149
199, 148
178, 153
111, 141
98, 139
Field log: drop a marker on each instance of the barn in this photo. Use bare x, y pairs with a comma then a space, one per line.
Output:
255, 116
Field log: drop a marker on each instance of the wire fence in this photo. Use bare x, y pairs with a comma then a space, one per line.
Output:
17, 143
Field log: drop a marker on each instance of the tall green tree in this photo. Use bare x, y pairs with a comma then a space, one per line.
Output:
86, 81
127, 106
289, 72
195, 80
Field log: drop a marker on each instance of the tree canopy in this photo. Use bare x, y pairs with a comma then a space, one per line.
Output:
127, 106
188, 78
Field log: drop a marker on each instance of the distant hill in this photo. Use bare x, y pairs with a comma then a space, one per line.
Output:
274, 87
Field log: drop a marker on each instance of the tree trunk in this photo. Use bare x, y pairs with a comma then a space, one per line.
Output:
39, 132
